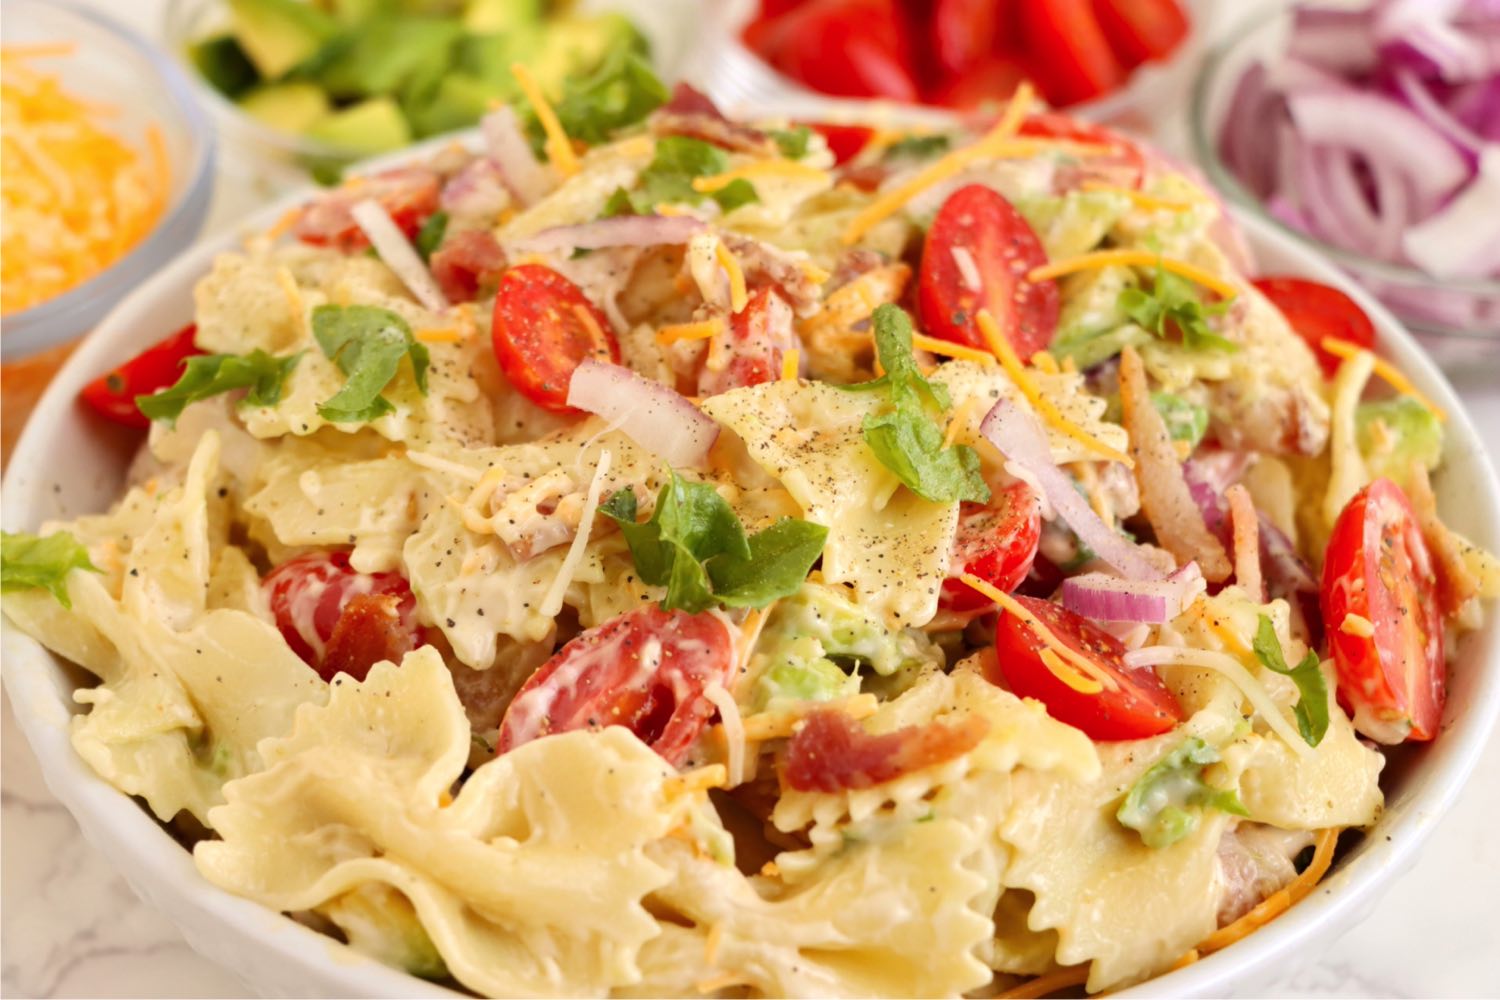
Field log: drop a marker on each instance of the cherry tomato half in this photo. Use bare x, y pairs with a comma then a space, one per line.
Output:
645, 670
965, 32
995, 542
1141, 706
544, 328
339, 619
993, 79
757, 340
848, 48
152, 370
844, 141
1127, 167
1377, 566
408, 194
979, 222
1073, 59
1316, 311
1141, 30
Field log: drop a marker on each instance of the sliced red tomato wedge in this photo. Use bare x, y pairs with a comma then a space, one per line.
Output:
1141, 30
338, 619
844, 141
1074, 61
1141, 706
996, 542
1378, 567
753, 346
645, 670
848, 48
544, 328
112, 395
1316, 311
409, 194
978, 223
965, 32
991, 80
1127, 167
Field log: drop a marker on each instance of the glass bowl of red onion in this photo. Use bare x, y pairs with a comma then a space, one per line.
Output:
1372, 133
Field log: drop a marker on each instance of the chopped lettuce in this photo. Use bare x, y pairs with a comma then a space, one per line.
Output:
795, 669
1166, 803
847, 631
31, 563
1075, 223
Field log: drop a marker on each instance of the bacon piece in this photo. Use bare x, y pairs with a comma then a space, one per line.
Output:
465, 261
370, 629
751, 349
409, 194
693, 114
832, 752
765, 264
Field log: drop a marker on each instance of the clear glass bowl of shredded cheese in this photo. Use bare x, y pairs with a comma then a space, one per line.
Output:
109, 171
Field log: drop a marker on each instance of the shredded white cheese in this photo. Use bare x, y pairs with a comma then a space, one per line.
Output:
552, 602
734, 731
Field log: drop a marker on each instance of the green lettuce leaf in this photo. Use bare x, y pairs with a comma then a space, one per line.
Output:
30, 563
430, 236
1174, 299
367, 343
206, 375
668, 179
620, 93
1166, 803
793, 141
1312, 687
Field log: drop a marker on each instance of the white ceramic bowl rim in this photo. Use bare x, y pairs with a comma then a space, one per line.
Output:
163, 873
50, 323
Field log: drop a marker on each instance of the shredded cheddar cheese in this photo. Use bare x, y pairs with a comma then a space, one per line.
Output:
1043, 361
700, 330
1387, 371
559, 147
1044, 986
1279, 901
954, 163
293, 294
440, 335
1357, 625
1069, 676
790, 361
738, 297
1059, 648
695, 781
1140, 198
759, 168
1043, 406
76, 196
959, 420
948, 349
1133, 258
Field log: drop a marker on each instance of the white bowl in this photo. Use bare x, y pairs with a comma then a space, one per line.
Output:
67, 464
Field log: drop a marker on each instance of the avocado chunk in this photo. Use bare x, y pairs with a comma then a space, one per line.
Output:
386, 53
490, 55
574, 45
367, 128
1394, 433
501, 15
224, 65
457, 101
288, 107
278, 35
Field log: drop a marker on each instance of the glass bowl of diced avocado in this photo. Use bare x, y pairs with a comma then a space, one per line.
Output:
318, 84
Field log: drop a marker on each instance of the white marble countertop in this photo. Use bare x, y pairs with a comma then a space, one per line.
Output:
72, 928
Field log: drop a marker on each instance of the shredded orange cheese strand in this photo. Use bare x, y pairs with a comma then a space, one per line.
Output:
1140, 198
701, 330
1359, 625
1133, 258
951, 165
76, 197
1279, 901
1045, 362
1068, 675
1065, 652
759, 168
1387, 371
789, 364
1052, 982
1043, 406
559, 147
948, 349
731, 265
698, 780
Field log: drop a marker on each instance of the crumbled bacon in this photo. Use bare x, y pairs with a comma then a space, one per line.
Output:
465, 261
692, 114
832, 752
752, 347
765, 264
408, 194
370, 629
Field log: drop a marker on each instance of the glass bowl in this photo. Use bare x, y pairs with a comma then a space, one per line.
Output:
112, 62
1460, 318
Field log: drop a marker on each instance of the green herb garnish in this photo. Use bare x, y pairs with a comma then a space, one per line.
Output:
1174, 299
367, 343
1165, 803
1312, 687
206, 375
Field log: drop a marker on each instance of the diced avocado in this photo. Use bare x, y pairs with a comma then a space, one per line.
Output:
501, 15
490, 56
795, 669
367, 128
458, 101
573, 45
224, 65
1186, 421
1074, 223
355, 11
278, 35
386, 52
288, 107
1394, 433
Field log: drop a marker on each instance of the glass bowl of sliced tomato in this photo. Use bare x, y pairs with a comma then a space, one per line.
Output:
116, 180
1104, 60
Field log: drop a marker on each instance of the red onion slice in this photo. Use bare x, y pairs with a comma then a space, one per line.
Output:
1382, 130
619, 231
1018, 435
652, 415
1421, 100
507, 145
1102, 597
397, 253
1463, 240
476, 190
1334, 38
